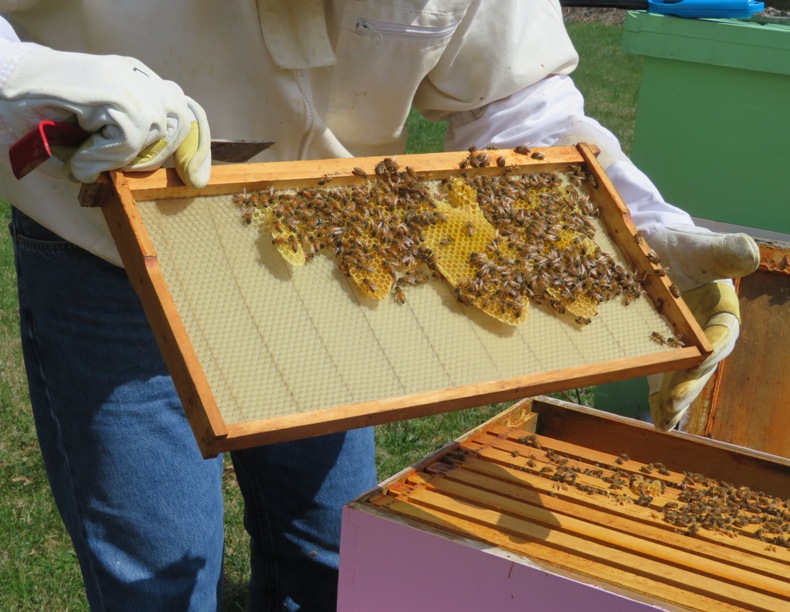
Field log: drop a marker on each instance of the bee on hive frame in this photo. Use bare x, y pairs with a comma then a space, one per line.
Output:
676, 342
246, 215
369, 285
658, 338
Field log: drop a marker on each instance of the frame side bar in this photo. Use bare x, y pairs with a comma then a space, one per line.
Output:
142, 267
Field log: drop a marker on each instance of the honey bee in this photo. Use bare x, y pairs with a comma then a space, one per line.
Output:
369, 285
470, 229
583, 320
638, 237
537, 155
359, 172
693, 529
277, 226
400, 296
675, 342
246, 215
325, 180
673, 289
522, 150
644, 500
501, 161
653, 257
658, 338
479, 160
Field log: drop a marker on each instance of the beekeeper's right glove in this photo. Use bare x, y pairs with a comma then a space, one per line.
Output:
136, 119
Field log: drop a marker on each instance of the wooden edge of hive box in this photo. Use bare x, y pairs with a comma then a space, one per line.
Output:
118, 193
745, 402
479, 526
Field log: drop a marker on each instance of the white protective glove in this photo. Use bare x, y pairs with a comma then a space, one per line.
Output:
700, 262
136, 119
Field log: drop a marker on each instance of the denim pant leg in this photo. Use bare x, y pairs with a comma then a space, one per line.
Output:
294, 493
142, 507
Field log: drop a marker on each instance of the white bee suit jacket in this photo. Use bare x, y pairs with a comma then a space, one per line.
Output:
321, 79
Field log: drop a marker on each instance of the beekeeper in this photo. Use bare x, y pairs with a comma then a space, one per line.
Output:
322, 79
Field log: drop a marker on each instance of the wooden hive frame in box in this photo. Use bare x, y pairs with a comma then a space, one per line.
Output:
261, 351
745, 401
663, 519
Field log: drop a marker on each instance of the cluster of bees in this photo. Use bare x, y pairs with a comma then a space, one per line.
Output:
501, 240
705, 503
699, 503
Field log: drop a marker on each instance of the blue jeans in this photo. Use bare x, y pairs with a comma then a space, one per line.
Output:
143, 508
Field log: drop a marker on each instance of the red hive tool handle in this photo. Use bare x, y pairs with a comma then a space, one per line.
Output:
34, 148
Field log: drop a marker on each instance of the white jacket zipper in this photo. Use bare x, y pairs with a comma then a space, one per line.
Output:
388, 29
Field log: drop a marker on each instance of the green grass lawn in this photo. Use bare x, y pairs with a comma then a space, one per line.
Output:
38, 569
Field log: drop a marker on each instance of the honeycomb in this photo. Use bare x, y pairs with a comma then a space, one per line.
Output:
459, 244
500, 241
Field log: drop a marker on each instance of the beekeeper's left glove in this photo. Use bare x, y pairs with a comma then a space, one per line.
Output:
700, 263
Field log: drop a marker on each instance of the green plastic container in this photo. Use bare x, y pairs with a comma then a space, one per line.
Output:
713, 116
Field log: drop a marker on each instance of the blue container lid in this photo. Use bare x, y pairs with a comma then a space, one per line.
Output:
714, 9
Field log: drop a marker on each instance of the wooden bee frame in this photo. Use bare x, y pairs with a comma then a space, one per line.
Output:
745, 401
550, 505
127, 200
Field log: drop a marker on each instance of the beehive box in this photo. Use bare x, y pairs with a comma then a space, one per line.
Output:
697, 75
552, 506
299, 298
746, 400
